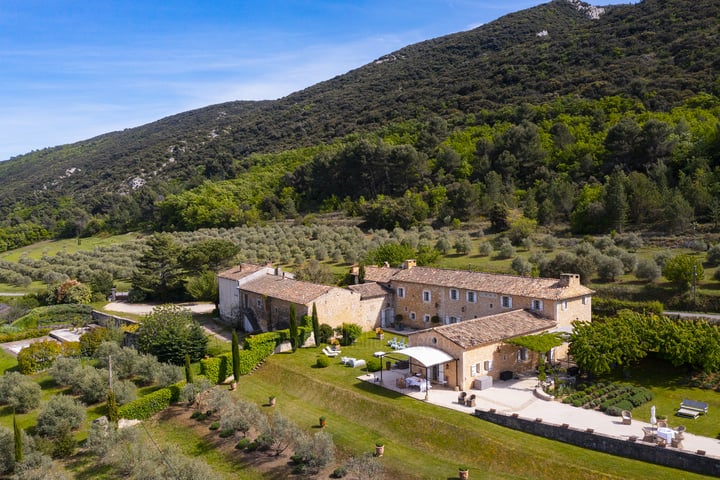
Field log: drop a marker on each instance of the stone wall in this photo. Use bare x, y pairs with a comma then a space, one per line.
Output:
666, 456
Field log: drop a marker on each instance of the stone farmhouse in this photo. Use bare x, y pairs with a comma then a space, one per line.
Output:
258, 297
466, 315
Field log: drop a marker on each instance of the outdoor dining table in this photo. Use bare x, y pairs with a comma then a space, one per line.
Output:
421, 383
665, 433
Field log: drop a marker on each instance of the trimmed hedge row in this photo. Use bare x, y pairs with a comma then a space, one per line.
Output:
23, 334
152, 403
55, 315
256, 349
609, 307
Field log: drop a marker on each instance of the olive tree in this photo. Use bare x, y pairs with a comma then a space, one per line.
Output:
59, 415
19, 392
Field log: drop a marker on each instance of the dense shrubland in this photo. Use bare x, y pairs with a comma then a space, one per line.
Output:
598, 126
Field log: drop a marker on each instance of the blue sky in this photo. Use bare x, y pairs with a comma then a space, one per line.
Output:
71, 70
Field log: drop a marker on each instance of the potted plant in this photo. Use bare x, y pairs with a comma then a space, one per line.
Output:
379, 333
271, 400
379, 449
322, 422
463, 473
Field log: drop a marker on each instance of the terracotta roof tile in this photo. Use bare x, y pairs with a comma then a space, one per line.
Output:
287, 289
494, 328
239, 271
379, 274
542, 288
369, 290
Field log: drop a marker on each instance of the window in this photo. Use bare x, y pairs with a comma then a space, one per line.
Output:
471, 297
506, 301
426, 318
259, 303
453, 320
537, 305
564, 305
586, 299
522, 354
412, 315
427, 297
488, 365
401, 292
473, 370
454, 294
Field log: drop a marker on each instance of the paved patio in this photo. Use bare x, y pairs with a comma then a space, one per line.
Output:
517, 396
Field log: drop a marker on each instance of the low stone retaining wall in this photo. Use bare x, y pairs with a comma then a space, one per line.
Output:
670, 457
105, 320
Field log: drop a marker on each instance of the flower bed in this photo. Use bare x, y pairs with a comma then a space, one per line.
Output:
611, 398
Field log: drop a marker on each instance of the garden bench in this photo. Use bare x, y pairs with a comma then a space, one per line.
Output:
692, 409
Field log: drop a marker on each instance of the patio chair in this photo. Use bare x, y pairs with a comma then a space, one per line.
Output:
461, 398
648, 434
662, 424
626, 417
470, 402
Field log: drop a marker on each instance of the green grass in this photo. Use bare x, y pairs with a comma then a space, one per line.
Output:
7, 361
69, 245
669, 388
421, 440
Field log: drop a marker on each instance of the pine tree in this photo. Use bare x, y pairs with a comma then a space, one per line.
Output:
316, 325
18, 441
159, 273
293, 328
235, 356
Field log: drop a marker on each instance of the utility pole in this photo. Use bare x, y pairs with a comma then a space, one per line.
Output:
694, 284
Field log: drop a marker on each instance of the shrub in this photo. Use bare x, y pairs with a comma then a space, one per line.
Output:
38, 356
339, 472
322, 362
350, 333
147, 406
242, 444
214, 426
713, 255
326, 333
374, 365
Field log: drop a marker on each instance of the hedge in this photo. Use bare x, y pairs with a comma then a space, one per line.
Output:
152, 403
256, 349
55, 315
23, 334
609, 307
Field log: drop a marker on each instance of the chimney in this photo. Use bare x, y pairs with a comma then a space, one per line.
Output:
569, 280
408, 264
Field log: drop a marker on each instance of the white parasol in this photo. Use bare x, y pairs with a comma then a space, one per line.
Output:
653, 420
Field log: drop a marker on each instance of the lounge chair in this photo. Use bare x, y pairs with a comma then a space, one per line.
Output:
359, 363
330, 352
392, 341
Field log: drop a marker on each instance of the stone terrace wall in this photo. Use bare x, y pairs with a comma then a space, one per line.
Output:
669, 457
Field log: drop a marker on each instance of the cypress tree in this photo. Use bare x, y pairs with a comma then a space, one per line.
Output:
293, 328
188, 370
316, 326
235, 356
18, 441
112, 407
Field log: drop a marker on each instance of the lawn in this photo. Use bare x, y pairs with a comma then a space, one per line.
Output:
67, 245
669, 387
421, 440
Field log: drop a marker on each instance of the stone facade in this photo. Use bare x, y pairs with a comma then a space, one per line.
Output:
424, 296
258, 298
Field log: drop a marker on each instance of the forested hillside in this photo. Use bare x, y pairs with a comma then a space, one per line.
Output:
601, 123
